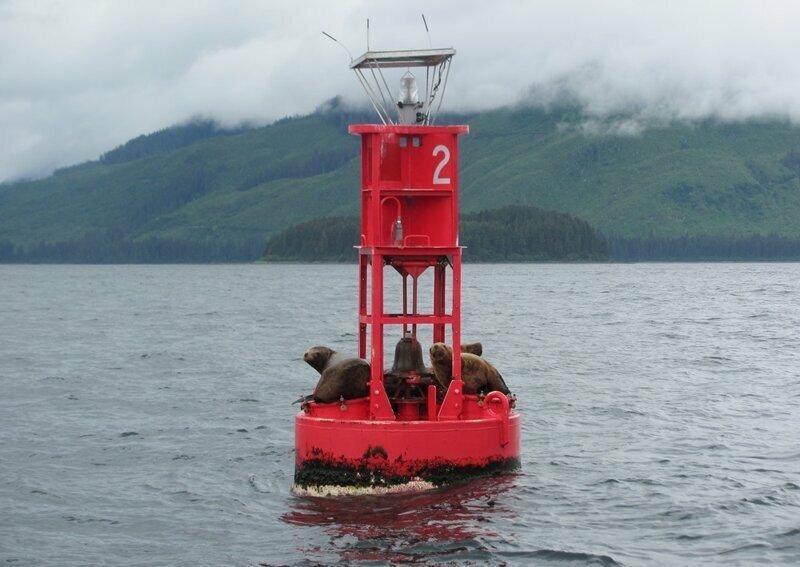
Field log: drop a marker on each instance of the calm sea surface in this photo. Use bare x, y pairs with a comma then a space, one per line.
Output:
145, 418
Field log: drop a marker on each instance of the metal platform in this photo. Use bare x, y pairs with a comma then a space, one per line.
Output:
403, 59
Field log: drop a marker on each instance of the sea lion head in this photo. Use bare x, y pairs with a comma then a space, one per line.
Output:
442, 362
473, 348
441, 353
318, 357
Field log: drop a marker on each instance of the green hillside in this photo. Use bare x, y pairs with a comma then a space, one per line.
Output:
709, 178
196, 186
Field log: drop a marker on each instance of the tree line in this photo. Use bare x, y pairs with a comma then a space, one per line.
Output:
523, 233
516, 233
167, 140
705, 248
326, 239
102, 248
512, 234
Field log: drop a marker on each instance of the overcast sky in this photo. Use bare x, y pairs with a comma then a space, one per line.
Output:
79, 77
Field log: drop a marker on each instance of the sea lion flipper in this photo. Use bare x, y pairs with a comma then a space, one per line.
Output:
496, 382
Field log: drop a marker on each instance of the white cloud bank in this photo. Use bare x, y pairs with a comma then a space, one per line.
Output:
80, 77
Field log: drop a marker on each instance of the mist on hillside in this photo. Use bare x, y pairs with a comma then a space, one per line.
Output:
77, 81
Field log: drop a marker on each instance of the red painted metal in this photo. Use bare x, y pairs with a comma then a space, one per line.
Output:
400, 449
409, 222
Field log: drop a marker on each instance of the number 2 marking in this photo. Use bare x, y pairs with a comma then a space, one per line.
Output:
441, 149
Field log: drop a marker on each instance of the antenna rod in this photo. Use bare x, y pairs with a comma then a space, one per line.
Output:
424, 21
367, 35
326, 34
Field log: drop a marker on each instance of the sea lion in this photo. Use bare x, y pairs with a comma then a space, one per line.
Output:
473, 348
341, 376
478, 375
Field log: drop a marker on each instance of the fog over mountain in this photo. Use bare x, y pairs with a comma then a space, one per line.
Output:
78, 78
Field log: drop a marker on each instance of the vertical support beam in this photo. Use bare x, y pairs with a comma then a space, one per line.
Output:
376, 357
431, 402
454, 182
438, 301
453, 403
405, 301
375, 203
456, 315
414, 281
362, 304
380, 408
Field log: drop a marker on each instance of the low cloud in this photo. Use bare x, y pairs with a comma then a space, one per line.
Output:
77, 79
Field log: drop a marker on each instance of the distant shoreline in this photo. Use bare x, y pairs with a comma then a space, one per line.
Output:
466, 262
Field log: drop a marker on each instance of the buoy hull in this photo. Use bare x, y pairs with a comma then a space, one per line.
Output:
351, 456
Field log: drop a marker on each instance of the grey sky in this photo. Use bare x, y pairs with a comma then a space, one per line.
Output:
80, 77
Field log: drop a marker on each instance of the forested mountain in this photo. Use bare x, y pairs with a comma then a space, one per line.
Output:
167, 140
198, 193
523, 233
515, 233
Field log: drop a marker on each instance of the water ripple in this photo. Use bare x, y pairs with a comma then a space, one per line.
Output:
147, 418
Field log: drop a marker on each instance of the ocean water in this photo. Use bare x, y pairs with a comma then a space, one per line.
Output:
145, 418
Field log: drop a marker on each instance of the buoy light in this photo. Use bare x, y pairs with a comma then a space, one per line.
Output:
408, 105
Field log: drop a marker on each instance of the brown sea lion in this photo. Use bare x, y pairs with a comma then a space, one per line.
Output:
473, 348
341, 376
478, 375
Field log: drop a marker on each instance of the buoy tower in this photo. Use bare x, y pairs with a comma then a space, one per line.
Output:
407, 434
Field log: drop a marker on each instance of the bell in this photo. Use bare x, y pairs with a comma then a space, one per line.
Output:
408, 356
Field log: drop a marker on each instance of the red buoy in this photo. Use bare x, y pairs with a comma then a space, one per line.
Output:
408, 433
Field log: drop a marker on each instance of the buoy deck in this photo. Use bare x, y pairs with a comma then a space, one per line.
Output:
342, 451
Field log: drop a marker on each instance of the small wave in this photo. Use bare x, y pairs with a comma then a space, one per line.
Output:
746, 547
182, 457
128, 433
757, 501
667, 335
677, 514
644, 481
618, 412
257, 485
75, 519
186, 495
559, 555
